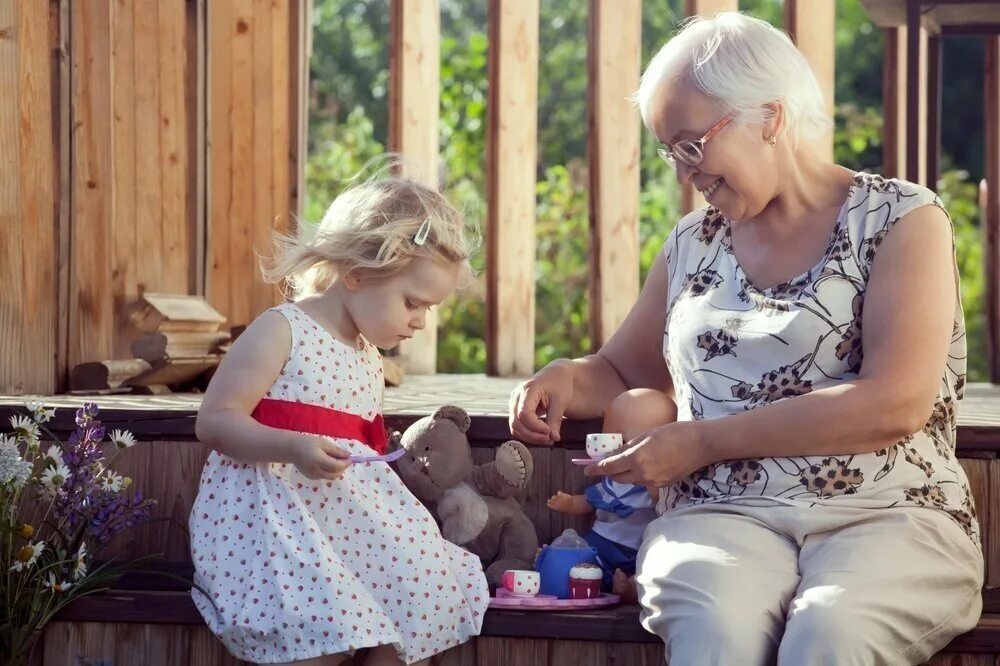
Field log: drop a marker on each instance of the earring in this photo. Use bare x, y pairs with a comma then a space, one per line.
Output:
772, 141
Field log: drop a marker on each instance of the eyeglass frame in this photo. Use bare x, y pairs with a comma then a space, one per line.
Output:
667, 153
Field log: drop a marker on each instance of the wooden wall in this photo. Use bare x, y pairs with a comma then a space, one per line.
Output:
110, 166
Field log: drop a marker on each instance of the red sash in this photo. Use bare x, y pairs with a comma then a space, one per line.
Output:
317, 420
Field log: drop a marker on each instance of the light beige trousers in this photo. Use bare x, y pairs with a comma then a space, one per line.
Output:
797, 585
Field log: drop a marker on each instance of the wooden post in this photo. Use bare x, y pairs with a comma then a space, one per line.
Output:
613, 66
916, 95
812, 26
414, 102
28, 176
894, 103
511, 155
991, 218
250, 147
690, 197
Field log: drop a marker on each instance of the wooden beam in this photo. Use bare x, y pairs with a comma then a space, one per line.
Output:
933, 101
613, 67
812, 26
991, 217
691, 199
511, 155
916, 95
414, 102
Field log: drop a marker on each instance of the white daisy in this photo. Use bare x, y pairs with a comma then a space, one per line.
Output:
54, 456
123, 439
13, 469
112, 482
80, 568
54, 584
53, 479
27, 556
39, 411
24, 428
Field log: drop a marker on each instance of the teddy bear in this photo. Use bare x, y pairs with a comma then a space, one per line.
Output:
476, 505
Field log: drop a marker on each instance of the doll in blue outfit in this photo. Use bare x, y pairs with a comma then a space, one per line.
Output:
621, 511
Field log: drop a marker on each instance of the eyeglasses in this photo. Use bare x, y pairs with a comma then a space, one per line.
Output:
688, 152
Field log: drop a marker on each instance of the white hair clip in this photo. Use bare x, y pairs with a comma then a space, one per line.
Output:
423, 232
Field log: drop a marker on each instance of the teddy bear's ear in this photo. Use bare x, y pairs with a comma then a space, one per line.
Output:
456, 414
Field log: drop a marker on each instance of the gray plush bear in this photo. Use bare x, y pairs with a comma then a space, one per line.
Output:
475, 505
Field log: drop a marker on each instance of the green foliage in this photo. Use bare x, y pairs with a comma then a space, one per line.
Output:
348, 126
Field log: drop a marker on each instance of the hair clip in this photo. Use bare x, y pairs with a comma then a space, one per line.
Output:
423, 232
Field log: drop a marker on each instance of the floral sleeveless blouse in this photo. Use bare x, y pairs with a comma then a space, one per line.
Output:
731, 347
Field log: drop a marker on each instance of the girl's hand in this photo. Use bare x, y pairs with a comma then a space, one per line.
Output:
547, 392
658, 457
319, 458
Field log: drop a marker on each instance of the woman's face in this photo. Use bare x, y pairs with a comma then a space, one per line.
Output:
738, 171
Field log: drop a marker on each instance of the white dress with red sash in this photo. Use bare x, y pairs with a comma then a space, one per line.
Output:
297, 568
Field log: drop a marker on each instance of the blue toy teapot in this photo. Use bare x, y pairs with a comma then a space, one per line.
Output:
554, 562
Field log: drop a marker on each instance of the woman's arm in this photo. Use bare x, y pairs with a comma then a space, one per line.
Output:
246, 373
582, 388
906, 332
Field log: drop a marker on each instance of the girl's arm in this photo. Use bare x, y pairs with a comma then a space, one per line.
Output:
246, 373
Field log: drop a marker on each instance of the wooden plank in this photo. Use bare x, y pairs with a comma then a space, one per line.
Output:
125, 256
177, 248
506, 651
978, 472
991, 217
414, 100
300, 45
935, 65
64, 57
148, 151
284, 125
263, 163
991, 526
91, 328
12, 375
613, 66
195, 85
220, 193
174, 312
579, 653
812, 26
241, 257
511, 150
462, 655
691, 199
38, 177
956, 659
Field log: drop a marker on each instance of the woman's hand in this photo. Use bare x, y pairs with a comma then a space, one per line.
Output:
548, 393
318, 458
657, 458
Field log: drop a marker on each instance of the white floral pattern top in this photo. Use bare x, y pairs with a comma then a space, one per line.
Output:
731, 347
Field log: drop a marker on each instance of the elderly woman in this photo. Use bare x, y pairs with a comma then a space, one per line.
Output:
808, 325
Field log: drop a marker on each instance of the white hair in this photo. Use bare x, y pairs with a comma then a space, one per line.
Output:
742, 63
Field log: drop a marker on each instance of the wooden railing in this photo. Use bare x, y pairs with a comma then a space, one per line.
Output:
117, 181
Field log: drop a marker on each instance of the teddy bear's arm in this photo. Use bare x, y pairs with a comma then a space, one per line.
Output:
507, 475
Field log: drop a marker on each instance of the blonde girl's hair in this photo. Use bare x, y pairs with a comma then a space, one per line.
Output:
372, 229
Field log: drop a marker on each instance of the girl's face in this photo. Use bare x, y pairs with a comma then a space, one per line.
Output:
388, 310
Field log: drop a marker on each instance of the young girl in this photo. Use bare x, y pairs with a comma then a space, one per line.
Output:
621, 510
306, 557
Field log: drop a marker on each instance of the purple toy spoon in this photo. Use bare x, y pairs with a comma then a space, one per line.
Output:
388, 457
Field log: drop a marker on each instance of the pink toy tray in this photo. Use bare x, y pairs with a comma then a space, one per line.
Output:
505, 599
583, 462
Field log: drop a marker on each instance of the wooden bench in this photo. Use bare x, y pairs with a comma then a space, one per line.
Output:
154, 616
